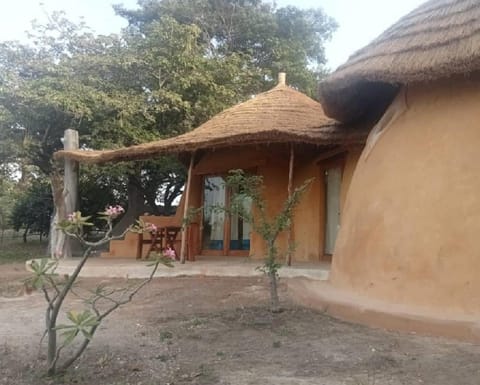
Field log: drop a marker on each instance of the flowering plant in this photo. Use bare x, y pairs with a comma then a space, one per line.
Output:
169, 253
74, 223
84, 324
150, 227
113, 211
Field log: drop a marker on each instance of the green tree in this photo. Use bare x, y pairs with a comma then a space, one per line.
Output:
267, 39
33, 209
41, 95
269, 227
99, 303
7, 198
177, 64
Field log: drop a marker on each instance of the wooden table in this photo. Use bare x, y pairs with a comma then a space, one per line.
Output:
159, 241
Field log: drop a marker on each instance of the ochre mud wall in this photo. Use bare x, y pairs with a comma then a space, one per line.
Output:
275, 179
271, 163
410, 232
309, 217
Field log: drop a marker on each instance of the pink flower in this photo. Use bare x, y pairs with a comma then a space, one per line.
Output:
151, 228
114, 211
71, 217
169, 253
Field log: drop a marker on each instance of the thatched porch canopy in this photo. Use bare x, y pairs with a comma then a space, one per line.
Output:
281, 115
439, 39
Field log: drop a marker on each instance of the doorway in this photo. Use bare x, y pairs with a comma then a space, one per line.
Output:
222, 234
333, 182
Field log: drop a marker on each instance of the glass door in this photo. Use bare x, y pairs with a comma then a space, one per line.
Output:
333, 178
223, 234
214, 194
239, 228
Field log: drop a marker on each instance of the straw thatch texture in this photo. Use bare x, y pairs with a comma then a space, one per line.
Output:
439, 39
277, 116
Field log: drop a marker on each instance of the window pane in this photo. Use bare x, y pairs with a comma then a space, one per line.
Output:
240, 229
213, 220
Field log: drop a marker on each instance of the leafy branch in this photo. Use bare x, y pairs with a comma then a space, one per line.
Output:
101, 302
268, 227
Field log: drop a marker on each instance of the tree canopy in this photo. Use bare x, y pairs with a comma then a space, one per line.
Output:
267, 39
177, 64
33, 209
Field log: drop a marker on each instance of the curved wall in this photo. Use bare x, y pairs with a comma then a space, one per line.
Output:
410, 231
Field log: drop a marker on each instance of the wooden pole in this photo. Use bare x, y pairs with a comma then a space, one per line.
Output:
70, 189
185, 209
290, 188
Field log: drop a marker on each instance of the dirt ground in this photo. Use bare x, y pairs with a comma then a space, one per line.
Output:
198, 330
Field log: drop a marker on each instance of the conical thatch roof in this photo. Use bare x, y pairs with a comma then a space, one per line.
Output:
277, 116
439, 39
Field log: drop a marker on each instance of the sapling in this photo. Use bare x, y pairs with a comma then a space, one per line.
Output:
267, 226
100, 302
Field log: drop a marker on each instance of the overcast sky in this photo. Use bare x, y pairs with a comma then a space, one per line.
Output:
359, 20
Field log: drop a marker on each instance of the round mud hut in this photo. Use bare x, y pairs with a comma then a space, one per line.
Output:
281, 135
410, 233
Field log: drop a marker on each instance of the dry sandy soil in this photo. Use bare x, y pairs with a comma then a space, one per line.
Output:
199, 330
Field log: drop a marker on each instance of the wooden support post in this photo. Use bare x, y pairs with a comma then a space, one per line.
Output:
290, 190
70, 182
185, 209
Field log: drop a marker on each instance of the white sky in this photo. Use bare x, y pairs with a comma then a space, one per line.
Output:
359, 21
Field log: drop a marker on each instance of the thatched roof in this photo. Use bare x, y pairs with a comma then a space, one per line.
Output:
439, 39
280, 115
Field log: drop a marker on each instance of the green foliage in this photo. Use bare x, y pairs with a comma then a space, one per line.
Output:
7, 198
33, 208
162, 181
43, 272
14, 250
41, 94
81, 322
263, 38
97, 189
100, 302
165, 335
177, 64
76, 222
267, 226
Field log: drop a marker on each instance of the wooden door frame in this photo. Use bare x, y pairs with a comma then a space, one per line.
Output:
338, 160
227, 226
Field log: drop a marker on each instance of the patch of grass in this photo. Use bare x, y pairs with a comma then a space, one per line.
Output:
14, 250
165, 335
198, 321
163, 357
205, 375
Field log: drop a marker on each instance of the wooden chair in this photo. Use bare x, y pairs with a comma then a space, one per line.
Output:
155, 241
171, 233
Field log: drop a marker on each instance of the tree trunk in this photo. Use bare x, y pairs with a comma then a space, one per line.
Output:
274, 302
272, 275
51, 346
25, 233
70, 182
56, 244
183, 248
289, 190
136, 205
